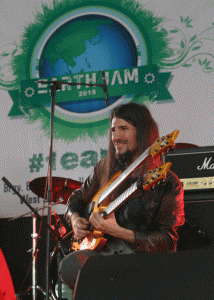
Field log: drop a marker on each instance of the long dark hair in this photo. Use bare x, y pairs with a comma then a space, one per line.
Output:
147, 130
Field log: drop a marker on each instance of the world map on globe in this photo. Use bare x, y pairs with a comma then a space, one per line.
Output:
84, 44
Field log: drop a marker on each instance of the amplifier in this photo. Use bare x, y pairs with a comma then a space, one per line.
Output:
194, 167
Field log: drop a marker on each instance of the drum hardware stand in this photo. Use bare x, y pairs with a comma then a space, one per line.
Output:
58, 279
40, 218
34, 251
29, 213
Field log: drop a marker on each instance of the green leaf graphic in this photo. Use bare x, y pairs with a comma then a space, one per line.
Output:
204, 62
5, 54
200, 62
174, 31
164, 31
196, 48
192, 38
186, 65
182, 44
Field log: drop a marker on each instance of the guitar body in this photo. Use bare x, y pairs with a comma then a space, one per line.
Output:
95, 240
91, 242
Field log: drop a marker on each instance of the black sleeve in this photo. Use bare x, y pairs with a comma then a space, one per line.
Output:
163, 237
82, 196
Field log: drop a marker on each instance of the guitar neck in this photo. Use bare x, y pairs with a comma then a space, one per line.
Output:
158, 147
119, 180
122, 198
150, 179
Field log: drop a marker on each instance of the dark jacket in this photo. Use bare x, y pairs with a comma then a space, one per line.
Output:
153, 215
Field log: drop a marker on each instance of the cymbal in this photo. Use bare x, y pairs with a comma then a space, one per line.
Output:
61, 188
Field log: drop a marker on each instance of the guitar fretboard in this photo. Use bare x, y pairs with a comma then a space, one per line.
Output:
158, 147
119, 200
118, 181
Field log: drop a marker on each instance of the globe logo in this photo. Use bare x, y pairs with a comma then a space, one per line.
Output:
73, 41
87, 43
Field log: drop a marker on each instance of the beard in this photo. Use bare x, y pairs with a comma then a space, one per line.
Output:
124, 158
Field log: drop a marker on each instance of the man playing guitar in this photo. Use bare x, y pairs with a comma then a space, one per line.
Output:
148, 221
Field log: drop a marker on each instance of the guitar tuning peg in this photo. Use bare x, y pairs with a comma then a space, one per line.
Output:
140, 183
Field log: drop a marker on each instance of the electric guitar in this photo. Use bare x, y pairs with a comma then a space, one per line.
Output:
160, 145
95, 240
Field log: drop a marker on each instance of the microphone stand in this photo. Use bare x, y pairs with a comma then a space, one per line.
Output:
57, 85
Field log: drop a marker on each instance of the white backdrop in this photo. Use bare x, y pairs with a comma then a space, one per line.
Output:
191, 111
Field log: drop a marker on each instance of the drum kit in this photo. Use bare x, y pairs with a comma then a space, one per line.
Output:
62, 188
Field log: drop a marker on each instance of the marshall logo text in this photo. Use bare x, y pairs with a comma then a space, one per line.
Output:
206, 165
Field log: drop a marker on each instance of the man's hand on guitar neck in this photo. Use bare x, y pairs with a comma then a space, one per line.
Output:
111, 227
80, 226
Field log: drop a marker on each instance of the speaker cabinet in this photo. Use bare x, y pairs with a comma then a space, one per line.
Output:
198, 230
181, 275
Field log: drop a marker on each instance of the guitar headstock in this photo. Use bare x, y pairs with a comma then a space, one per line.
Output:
164, 143
156, 175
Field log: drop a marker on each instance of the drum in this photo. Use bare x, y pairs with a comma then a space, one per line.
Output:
63, 248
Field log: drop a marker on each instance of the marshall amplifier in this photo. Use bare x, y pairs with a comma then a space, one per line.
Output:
195, 168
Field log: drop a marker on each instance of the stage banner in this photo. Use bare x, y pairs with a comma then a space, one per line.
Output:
158, 53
